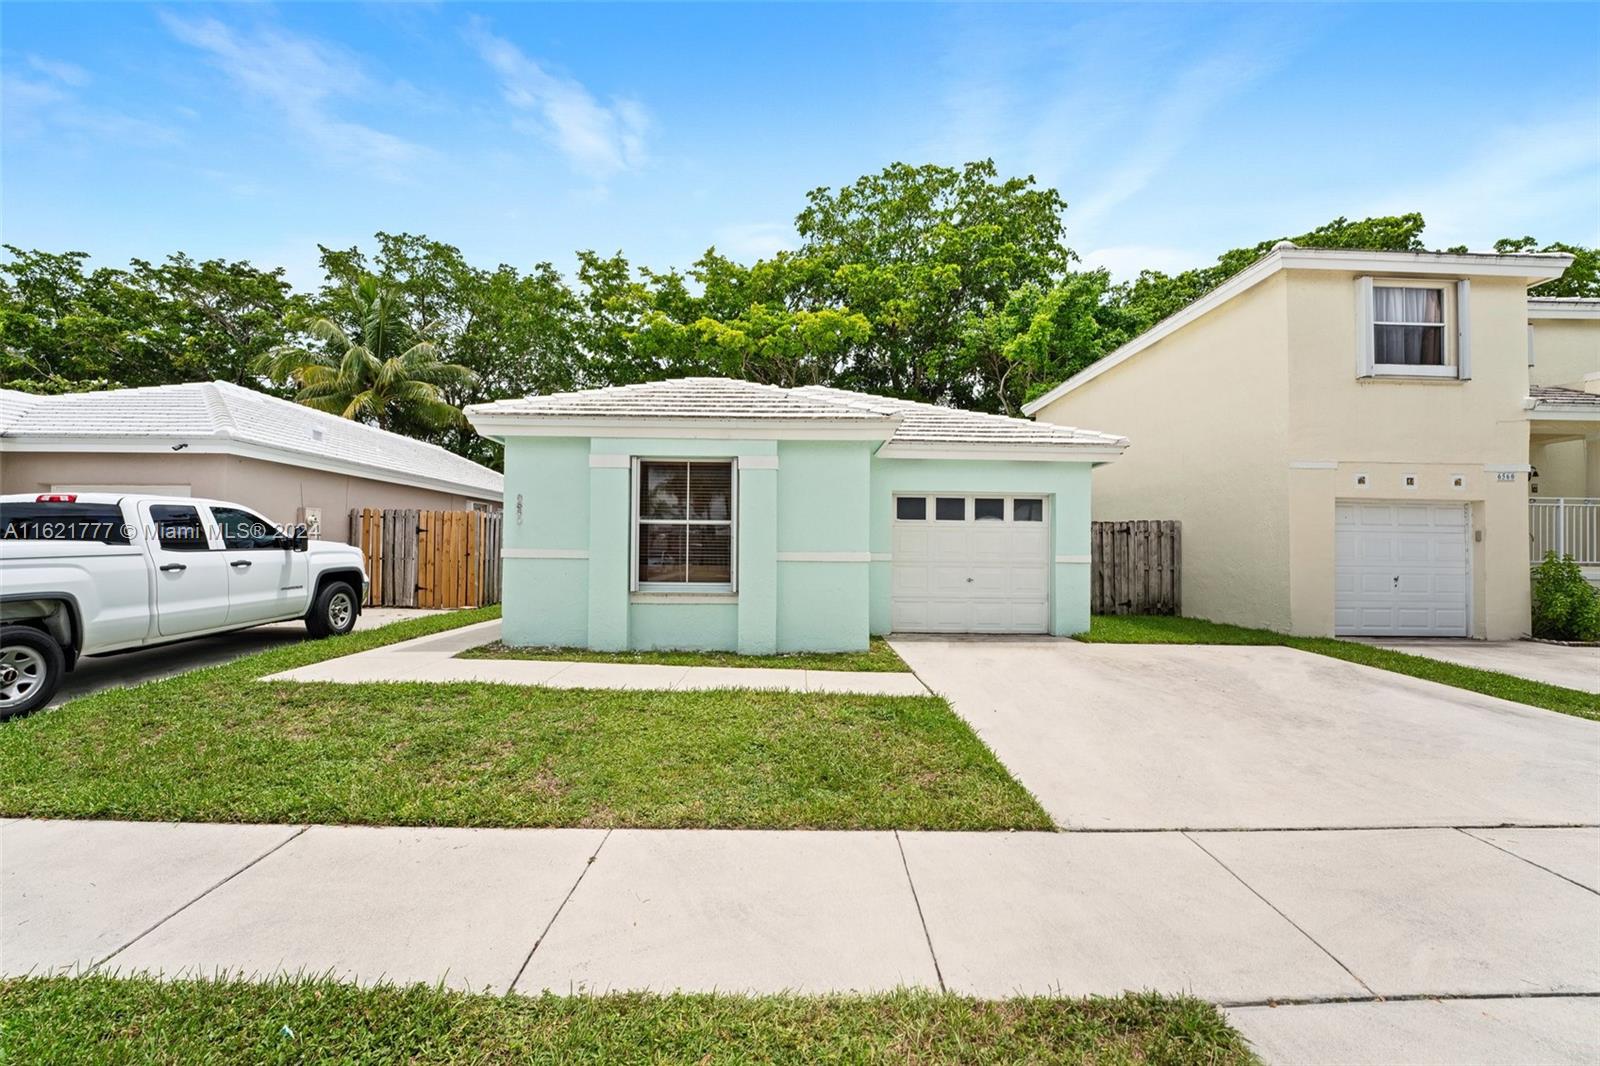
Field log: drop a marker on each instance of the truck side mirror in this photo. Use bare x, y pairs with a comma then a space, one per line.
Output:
299, 540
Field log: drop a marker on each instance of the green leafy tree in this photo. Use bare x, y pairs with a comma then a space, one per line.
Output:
151, 324
517, 332
1154, 295
375, 366
925, 254
1581, 279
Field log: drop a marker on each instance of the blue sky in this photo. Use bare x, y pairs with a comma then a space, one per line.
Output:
523, 132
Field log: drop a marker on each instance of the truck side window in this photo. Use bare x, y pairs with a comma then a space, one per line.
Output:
243, 531
178, 528
99, 522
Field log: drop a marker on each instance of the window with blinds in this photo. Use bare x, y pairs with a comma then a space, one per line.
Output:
684, 529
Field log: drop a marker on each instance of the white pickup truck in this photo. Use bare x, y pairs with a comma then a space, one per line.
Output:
92, 573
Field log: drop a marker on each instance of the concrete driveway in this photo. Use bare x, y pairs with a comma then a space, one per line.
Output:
134, 667
1114, 736
1411, 832
1554, 664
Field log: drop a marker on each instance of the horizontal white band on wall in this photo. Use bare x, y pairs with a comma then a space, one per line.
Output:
544, 553
606, 459
824, 557
758, 462
1073, 559
1313, 464
1512, 468
882, 557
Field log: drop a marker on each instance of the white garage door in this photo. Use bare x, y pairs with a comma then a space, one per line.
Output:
1401, 569
970, 564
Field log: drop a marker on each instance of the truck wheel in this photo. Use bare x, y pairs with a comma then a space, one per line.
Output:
334, 613
31, 667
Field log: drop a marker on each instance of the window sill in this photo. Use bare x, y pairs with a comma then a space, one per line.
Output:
1394, 378
688, 595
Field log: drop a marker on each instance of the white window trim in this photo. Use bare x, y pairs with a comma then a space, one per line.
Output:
971, 516
1456, 341
700, 589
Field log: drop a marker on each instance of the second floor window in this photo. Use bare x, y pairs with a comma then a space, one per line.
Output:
1408, 324
1413, 328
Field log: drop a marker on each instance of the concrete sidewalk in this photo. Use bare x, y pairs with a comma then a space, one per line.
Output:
1339, 918
433, 659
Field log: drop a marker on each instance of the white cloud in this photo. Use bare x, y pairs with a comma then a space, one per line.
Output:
58, 70
754, 240
301, 78
50, 102
1175, 118
1102, 103
1529, 178
598, 139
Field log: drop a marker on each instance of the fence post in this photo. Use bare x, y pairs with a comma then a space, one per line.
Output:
1561, 527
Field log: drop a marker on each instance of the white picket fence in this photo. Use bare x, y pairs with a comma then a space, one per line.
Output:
1566, 525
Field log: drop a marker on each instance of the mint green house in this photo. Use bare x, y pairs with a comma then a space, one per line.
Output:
706, 513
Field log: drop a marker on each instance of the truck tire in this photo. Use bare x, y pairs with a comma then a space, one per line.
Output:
334, 612
32, 665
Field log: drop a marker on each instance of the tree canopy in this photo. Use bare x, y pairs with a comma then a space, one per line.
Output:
951, 285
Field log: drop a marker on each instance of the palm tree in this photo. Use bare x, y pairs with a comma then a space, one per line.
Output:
380, 369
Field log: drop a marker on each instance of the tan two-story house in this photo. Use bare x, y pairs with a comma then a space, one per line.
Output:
1345, 436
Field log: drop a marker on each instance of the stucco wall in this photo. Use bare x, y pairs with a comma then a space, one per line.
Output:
1206, 414
813, 543
1564, 350
1390, 428
276, 490
1250, 422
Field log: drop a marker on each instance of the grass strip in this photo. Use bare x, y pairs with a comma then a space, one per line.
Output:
102, 1019
879, 658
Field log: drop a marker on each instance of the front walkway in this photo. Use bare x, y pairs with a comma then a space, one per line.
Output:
1242, 919
1554, 664
433, 659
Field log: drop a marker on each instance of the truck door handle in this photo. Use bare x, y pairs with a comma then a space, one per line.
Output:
240, 562
167, 568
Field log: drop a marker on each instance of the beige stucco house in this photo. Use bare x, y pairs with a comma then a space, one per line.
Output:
220, 441
1348, 438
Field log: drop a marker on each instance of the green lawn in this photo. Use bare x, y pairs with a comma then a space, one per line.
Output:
878, 658
101, 1019
1150, 629
218, 745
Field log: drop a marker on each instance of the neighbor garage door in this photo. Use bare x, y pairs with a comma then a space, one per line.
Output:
1401, 569
971, 564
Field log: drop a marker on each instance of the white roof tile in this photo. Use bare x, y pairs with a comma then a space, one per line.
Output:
711, 398
227, 412
725, 399
927, 423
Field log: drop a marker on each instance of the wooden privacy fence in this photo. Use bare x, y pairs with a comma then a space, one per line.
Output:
1136, 568
429, 558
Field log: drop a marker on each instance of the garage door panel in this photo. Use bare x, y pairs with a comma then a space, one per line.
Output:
910, 543
912, 579
1401, 569
971, 576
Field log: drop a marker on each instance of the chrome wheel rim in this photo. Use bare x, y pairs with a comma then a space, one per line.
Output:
22, 671
341, 609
